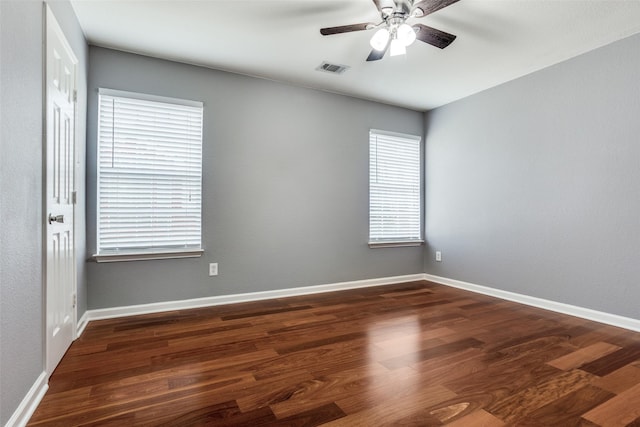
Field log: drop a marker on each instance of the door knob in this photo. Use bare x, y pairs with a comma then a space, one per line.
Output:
56, 218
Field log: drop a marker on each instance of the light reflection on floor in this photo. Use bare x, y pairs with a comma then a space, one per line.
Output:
386, 341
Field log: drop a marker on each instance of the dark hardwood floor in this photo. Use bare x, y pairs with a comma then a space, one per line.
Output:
411, 354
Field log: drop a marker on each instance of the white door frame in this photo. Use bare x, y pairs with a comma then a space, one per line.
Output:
50, 23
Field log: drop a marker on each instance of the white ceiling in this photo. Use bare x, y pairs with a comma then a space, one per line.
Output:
498, 40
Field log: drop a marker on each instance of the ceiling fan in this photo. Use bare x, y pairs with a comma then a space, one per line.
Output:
394, 33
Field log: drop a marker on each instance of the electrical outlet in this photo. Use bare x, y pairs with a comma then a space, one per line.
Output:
438, 256
213, 269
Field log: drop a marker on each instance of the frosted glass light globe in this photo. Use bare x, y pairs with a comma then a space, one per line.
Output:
397, 48
380, 39
406, 34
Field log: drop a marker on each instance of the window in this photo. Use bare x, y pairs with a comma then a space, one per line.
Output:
149, 177
394, 189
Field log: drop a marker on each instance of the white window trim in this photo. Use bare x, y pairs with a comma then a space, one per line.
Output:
382, 243
143, 256
396, 244
147, 253
148, 97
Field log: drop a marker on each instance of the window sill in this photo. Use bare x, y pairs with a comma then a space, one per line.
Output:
374, 245
196, 253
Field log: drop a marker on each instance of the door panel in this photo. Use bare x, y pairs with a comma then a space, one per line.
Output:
60, 181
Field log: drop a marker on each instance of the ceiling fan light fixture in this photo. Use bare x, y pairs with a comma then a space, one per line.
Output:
397, 48
393, 33
406, 34
380, 39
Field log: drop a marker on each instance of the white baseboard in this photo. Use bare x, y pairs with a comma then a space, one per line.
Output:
27, 407
572, 310
131, 310
82, 323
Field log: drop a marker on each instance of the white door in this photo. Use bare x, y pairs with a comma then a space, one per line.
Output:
60, 174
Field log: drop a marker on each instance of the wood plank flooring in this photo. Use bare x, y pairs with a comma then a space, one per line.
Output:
410, 354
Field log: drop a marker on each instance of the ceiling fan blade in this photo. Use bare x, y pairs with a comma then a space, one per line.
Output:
346, 28
432, 36
376, 55
426, 7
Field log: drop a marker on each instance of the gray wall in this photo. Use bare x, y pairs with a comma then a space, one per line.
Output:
534, 186
21, 283
21, 210
285, 185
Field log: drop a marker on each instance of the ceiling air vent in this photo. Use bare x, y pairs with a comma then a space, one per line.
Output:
332, 68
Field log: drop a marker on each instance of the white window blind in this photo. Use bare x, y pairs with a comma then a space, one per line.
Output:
149, 174
394, 189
